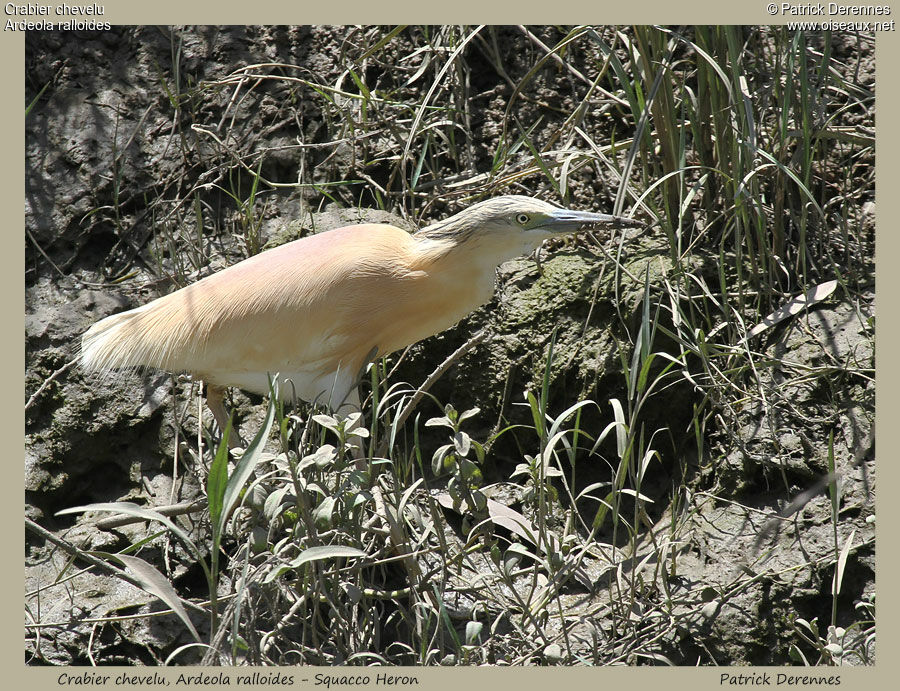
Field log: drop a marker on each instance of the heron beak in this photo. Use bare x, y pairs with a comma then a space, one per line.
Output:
567, 221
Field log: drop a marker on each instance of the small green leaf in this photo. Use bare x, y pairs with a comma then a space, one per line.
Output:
358, 432
326, 552
467, 469
324, 513
275, 503
473, 632
462, 442
842, 563
323, 457
437, 460
154, 583
439, 422
217, 480
244, 469
535, 413
471, 412
326, 421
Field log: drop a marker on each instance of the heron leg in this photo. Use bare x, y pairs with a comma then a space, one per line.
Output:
215, 401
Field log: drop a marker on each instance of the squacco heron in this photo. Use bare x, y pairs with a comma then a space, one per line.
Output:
317, 310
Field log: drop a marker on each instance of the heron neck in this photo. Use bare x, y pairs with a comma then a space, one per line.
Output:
467, 243
474, 259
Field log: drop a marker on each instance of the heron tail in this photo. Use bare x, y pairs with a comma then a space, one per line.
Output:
125, 340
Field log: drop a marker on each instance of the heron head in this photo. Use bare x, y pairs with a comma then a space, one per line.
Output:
517, 223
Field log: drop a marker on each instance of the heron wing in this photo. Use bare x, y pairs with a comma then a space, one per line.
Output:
311, 308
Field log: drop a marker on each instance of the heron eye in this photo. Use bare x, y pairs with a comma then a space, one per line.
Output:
522, 219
